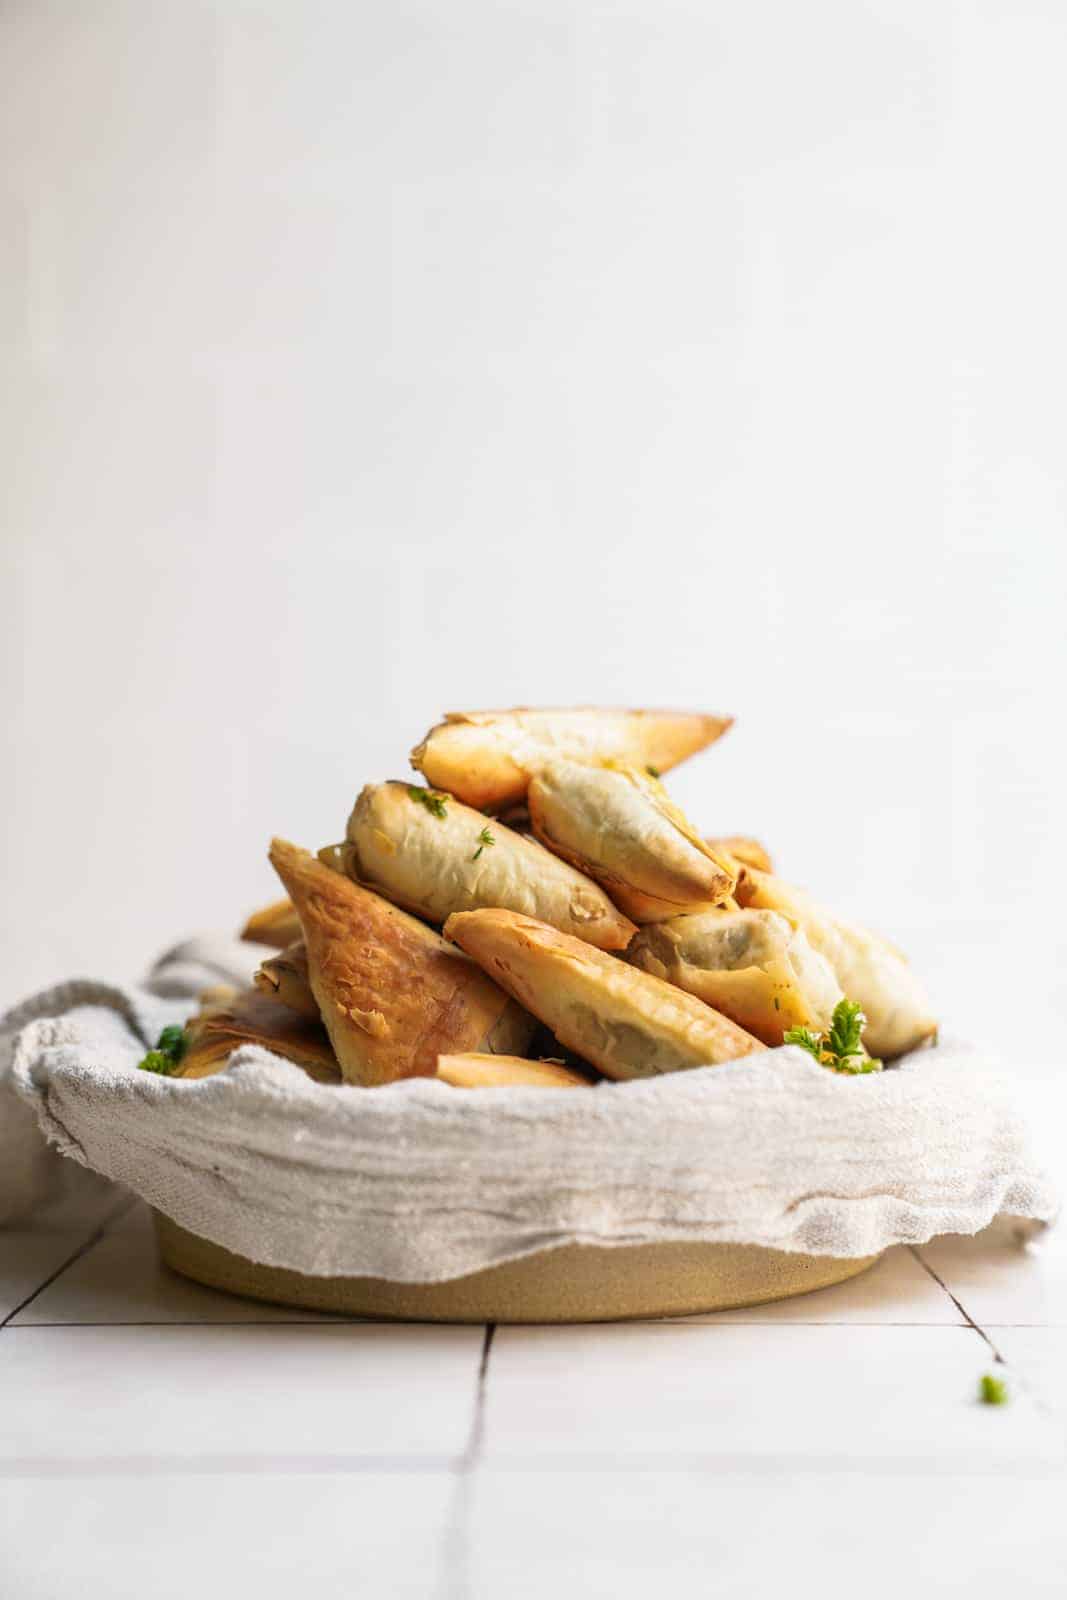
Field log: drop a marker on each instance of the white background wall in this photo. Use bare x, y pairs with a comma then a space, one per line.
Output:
366, 360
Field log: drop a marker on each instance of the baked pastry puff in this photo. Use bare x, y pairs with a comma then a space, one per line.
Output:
285, 978
438, 857
753, 966
253, 1018
867, 967
748, 852
618, 823
474, 1071
486, 758
276, 924
393, 995
624, 1021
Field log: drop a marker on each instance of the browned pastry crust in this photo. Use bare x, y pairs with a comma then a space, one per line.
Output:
252, 1018
392, 993
285, 978
749, 852
626, 1022
486, 758
475, 1071
276, 924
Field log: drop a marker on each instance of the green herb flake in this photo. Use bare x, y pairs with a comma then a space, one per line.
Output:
170, 1047
992, 1391
846, 1027
157, 1061
484, 838
653, 772
811, 1042
172, 1042
434, 802
777, 1007
840, 1048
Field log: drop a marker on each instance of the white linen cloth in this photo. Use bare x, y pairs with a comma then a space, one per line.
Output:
420, 1182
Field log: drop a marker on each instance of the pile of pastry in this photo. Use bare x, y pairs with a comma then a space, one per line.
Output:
537, 911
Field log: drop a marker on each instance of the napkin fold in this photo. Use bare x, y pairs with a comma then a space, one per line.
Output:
419, 1182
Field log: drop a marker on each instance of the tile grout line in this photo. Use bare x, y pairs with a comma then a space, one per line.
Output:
76, 1255
472, 1453
594, 1463
960, 1307
455, 1563
223, 1465
327, 1321
220, 1322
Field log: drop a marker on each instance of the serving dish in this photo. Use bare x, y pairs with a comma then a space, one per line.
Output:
575, 1283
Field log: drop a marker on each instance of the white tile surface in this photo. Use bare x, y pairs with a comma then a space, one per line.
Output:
120, 1279
27, 1259
356, 1392
1006, 1274
131, 1538
740, 1534
1039, 1357
30, 1254
896, 1290
814, 1393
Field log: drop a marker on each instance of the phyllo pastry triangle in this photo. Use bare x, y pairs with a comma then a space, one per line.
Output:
746, 851
753, 966
868, 968
474, 1071
392, 993
253, 1018
487, 758
434, 855
624, 1021
285, 978
276, 924
618, 823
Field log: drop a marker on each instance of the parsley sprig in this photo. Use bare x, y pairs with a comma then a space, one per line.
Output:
484, 838
840, 1047
170, 1047
434, 802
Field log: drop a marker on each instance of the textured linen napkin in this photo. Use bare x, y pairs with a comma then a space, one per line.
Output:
419, 1182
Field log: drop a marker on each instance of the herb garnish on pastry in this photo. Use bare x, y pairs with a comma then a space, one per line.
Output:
435, 862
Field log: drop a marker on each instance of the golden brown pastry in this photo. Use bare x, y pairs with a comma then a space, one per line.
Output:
473, 1071
624, 1021
393, 995
617, 823
487, 758
285, 978
216, 997
441, 857
277, 924
868, 969
753, 966
252, 1018
749, 852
